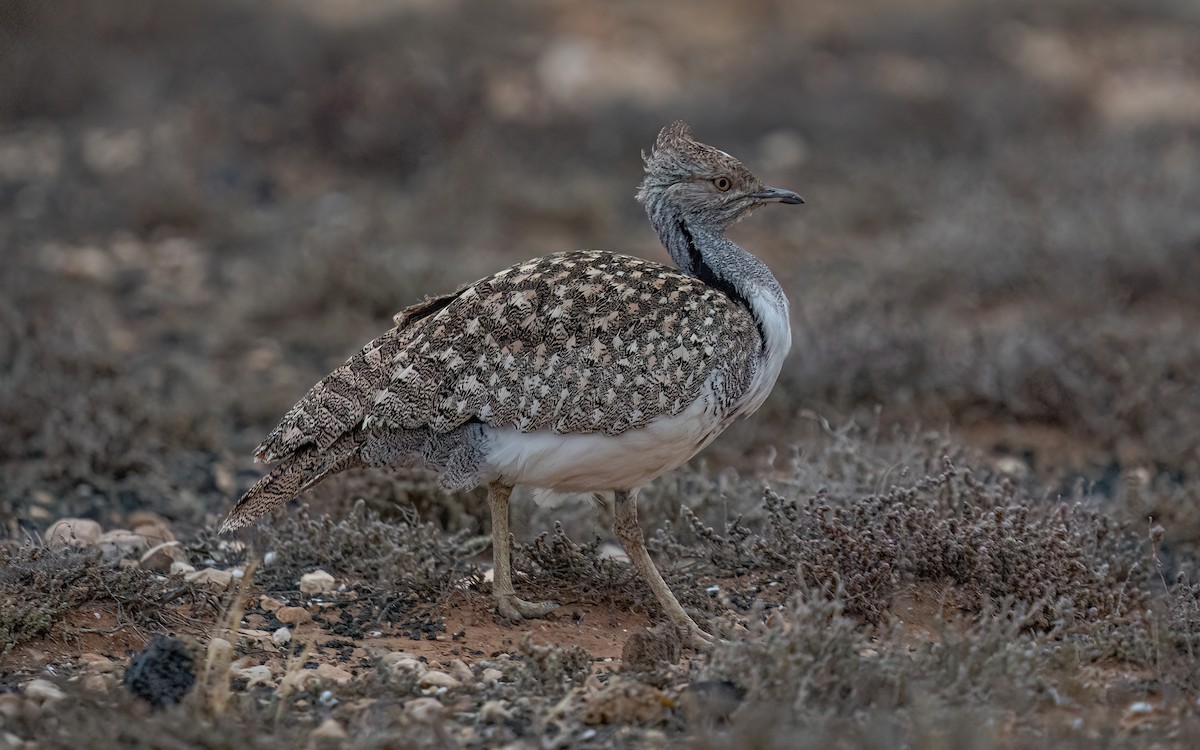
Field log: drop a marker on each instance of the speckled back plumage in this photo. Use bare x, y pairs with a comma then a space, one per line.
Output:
586, 341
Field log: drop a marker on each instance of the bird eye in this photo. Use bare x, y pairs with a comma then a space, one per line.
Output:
722, 183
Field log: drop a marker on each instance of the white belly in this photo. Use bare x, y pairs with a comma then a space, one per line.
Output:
597, 462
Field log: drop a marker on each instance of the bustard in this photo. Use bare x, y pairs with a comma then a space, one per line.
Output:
583, 371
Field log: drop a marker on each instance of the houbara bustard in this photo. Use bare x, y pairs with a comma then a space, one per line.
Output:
578, 372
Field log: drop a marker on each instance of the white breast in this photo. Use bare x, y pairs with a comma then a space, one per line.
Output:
772, 313
597, 462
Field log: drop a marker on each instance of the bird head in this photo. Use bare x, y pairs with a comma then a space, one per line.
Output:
702, 183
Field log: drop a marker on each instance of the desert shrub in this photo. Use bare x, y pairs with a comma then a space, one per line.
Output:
415, 559
39, 586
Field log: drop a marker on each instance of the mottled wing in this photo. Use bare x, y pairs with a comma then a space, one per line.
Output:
586, 341
338, 404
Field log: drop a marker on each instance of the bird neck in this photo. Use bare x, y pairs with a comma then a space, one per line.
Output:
704, 252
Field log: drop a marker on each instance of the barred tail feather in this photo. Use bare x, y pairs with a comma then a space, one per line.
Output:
293, 475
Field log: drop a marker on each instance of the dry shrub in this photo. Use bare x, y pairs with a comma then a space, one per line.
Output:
40, 586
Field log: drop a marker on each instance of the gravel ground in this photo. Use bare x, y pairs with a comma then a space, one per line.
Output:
968, 516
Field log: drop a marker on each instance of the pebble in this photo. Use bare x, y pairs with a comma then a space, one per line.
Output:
316, 582
494, 712
334, 674
96, 662
461, 672
119, 544
259, 674
281, 637
1141, 707
161, 557
293, 615
210, 577
390, 658
80, 532
182, 568
329, 734
10, 741
43, 691
438, 679
11, 705
491, 676
270, 603
95, 683
425, 710
155, 532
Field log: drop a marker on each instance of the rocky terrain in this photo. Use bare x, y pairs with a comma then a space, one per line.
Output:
967, 517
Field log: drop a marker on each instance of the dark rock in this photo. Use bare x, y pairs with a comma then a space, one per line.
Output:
162, 673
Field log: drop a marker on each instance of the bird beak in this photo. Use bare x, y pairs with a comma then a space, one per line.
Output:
777, 195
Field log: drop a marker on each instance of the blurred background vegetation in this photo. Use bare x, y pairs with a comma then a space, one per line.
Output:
206, 206
983, 454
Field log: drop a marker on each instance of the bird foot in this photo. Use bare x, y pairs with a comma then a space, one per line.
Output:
697, 640
513, 608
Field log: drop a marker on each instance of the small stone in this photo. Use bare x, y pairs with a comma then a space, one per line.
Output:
95, 683
425, 710
300, 679
182, 568
330, 673
1141, 707
316, 582
330, 734
406, 666
610, 551
390, 658
120, 544
80, 532
160, 557
281, 637
11, 705
96, 662
43, 691
491, 676
437, 679
293, 615
259, 674
494, 712
210, 577
461, 672
269, 603
10, 741
155, 531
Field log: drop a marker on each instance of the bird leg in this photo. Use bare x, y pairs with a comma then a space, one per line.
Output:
625, 524
508, 604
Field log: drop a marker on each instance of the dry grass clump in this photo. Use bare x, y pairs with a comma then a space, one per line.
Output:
411, 559
39, 586
869, 515
119, 721
811, 657
572, 572
816, 678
